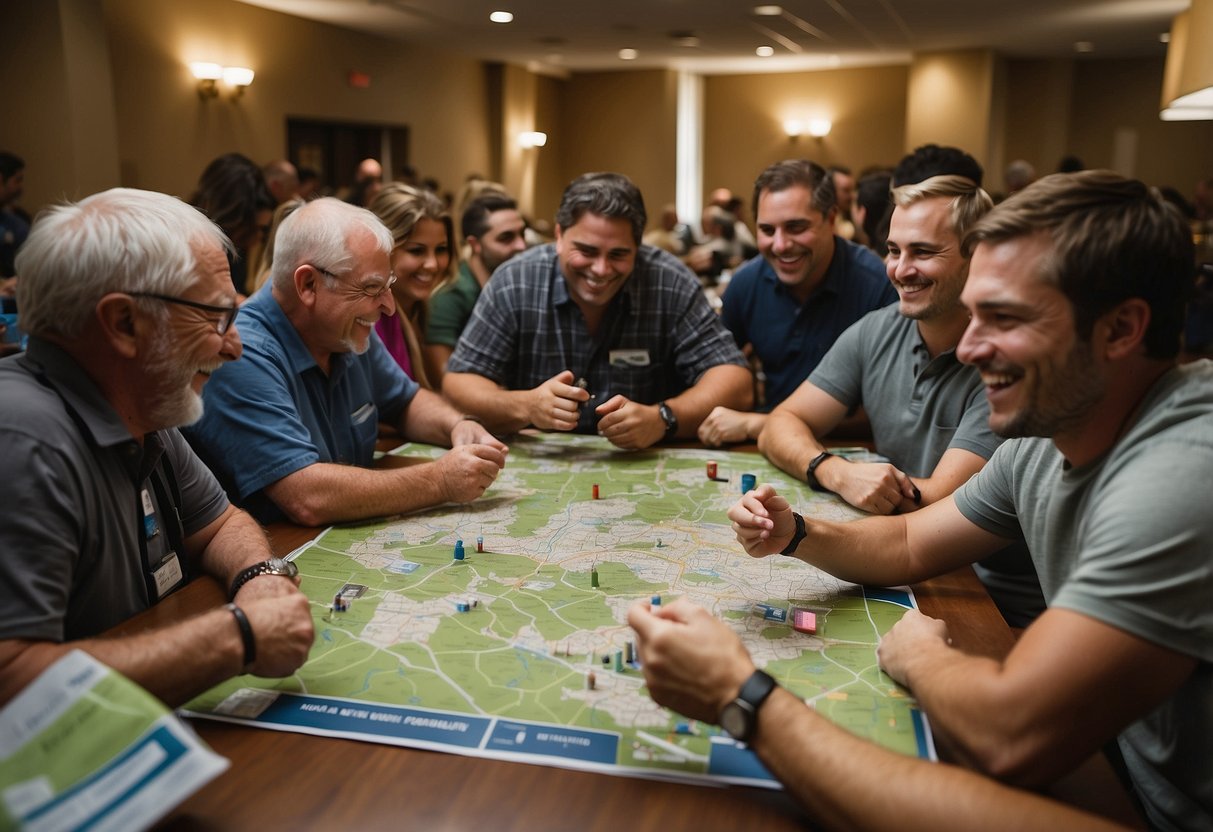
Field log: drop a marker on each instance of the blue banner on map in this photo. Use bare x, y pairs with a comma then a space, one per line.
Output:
728, 759
554, 741
350, 717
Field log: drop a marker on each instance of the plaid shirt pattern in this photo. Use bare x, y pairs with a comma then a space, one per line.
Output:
658, 337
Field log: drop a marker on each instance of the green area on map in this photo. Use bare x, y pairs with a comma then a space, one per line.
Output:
538, 628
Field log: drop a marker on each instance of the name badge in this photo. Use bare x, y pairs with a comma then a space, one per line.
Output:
167, 574
363, 413
629, 358
150, 527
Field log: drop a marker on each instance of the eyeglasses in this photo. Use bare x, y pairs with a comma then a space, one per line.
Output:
373, 290
226, 313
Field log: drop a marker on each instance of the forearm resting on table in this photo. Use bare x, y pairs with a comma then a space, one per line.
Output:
324, 493
173, 663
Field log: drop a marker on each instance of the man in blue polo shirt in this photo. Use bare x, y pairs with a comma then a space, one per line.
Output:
291, 430
792, 303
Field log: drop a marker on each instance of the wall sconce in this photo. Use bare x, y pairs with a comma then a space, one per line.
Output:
532, 138
209, 75
1187, 85
238, 78
819, 128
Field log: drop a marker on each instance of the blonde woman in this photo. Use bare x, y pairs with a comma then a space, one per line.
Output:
422, 260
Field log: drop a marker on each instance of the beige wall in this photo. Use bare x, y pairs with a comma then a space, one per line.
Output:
624, 122
99, 94
58, 101
167, 134
1038, 106
950, 101
744, 115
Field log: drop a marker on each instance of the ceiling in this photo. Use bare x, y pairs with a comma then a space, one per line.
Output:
720, 36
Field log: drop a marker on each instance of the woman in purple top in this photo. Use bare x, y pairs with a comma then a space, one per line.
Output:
422, 260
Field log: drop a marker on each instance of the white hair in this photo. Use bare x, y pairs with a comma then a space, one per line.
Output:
318, 233
120, 240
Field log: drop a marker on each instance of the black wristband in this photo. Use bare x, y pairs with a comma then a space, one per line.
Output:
797, 536
246, 634
810, 473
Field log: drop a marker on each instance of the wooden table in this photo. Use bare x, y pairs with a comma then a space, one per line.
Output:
281, 780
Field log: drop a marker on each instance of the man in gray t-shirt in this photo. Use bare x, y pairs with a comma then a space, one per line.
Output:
1077, 288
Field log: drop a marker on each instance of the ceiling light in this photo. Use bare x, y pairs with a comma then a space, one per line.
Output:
1164, 37
628, 54
1084, 46
768, 11
501, 17
764, 51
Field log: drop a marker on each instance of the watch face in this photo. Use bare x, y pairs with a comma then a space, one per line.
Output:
735, 719
278, 566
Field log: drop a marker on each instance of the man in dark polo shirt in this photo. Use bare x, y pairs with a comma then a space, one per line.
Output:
792, 303
129, 305
596, 332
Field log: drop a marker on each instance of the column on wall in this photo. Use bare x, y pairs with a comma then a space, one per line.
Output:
954, 98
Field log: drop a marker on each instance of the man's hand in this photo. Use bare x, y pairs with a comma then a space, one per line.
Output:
469, 432
464, 472
556, 404
692, 662
875, 487
724, 425
281, 619
630, 425
763, 521
911, 635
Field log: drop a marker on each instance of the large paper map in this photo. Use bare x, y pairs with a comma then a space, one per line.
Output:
522, 651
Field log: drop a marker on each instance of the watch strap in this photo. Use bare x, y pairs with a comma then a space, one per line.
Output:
797, 536
810, 473
671, 420
246, 634
754, 691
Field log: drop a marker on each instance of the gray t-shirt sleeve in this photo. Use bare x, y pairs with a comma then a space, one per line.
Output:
840, 372
987, 498
40, 536
974, 433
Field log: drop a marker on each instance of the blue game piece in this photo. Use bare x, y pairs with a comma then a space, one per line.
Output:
748, 481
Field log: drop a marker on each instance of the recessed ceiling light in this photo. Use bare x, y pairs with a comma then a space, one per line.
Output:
628, 54
1164, 37
768, 11
501, 17
764, 51
1084, 46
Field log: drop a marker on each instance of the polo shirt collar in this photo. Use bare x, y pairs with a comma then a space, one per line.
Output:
78, 390
276, 321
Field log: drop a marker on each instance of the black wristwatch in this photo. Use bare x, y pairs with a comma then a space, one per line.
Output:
810, 473
273, 566
671, 421
740, 717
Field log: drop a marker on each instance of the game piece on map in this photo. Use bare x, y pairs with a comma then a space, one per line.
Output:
804, 621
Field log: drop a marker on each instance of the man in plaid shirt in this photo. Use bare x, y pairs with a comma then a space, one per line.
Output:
596, 332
